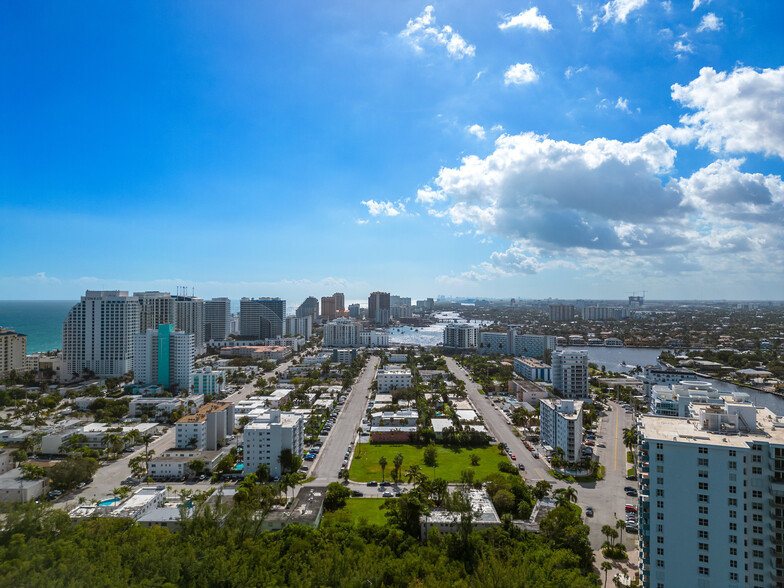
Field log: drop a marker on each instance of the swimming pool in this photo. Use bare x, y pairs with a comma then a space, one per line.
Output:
109, 502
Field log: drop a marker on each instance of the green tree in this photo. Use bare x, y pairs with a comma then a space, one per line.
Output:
263, 473
606, 567
414, 474
564, 529
69, 472
474, 459
336, 496
383, 463
620, 525
196, 466
398, 463
542, 489
18, 456
430, 457
32, 472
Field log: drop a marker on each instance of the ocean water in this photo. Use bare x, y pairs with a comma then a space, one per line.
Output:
40, 320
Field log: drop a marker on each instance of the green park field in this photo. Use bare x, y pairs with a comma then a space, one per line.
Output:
357, 509
451, 461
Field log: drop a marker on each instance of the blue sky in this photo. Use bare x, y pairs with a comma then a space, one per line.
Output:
565, 149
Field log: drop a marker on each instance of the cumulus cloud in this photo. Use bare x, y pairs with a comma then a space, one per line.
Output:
384, 208
423, 30
617, 11
682, 47
528, 19
622, 104
519, 74
477, 131
557, 193
737, 112
710, 22
697, 3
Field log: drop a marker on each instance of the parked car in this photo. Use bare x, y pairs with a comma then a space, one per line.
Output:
388, 495
601, 445
385, 483
631, 508
631, 492
373, 483
513, 457
356, 493
589, 511
521, 466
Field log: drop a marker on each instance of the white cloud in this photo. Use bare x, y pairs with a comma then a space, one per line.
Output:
622, 104
427, 195
528, 19
520, 73
697, 3
423, 30
667, 6
477, 131
617, 11
362, 221
681, 47
384, 208
572, 71
710, 22
737, 112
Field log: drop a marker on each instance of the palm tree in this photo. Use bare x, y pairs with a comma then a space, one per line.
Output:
398, 463
112, 441
414, 473
146, 438
620, 524
383, 463
263, 473
630, 438
606, 567
565, 496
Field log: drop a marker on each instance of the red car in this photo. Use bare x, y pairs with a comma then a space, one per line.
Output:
513, 457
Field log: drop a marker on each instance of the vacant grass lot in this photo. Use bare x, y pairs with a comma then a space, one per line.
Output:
451, 461
357, 509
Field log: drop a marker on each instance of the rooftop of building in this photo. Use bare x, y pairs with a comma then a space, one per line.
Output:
481, 505
531, 362
13, 480
305, 509
566, 407
706, 426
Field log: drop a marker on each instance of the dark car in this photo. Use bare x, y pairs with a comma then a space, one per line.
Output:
385, 483
357, 493
631, 492
373, 483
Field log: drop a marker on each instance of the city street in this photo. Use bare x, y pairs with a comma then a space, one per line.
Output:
500, 428
330, 459
607, 497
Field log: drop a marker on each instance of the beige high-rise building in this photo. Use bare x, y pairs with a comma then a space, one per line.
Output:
328, 308
340, 301
13, 351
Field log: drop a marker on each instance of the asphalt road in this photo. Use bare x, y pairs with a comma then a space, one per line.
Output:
330, 459
501, 428
607, 497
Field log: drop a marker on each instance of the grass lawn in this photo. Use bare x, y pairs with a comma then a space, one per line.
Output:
357, 509
451, 461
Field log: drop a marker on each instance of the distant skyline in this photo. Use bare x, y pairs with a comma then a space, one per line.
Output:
497, 149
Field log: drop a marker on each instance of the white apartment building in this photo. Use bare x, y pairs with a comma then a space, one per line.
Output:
164, 356
217, 319
603, 313
561, 425
570, 373
460, 336
391, 379
13, 351
653, 375
302, 326
98, 334
528, 345
207, 381
374, 338
532, 369
342, 332
158, 406
676, 399
711, 499
493, 343
268, 435
561, 312
207, 428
